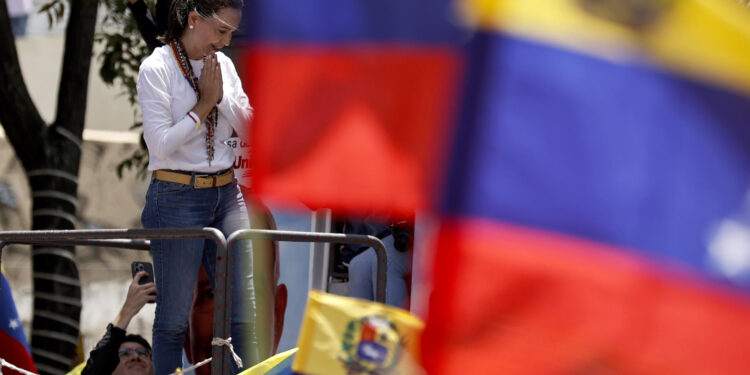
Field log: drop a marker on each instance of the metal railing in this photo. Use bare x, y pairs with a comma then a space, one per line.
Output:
137, 239
294, 236
114, 237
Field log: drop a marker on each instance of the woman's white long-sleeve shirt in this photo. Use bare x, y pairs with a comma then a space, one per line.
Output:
166, 98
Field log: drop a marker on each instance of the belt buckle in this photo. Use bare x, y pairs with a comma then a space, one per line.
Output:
195, 181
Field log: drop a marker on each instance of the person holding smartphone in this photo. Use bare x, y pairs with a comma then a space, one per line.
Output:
119, 353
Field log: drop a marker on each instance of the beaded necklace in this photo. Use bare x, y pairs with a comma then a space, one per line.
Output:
187, 72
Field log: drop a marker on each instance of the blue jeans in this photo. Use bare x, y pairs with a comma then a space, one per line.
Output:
176, 264
363, 275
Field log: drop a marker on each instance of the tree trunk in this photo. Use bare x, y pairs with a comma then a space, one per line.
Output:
50, 156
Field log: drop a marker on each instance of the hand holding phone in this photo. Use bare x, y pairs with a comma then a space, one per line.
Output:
138, 267
142, 290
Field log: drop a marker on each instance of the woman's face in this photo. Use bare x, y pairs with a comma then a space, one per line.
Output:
214, 33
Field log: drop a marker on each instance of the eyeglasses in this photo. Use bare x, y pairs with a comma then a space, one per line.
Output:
225, 23
216, 17
127, 352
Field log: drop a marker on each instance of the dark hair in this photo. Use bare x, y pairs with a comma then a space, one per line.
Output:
180, 9
138, 340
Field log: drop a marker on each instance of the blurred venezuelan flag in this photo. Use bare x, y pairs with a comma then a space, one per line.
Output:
597, 214
352, 100
592, 184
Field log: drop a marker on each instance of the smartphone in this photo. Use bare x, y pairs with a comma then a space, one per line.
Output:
136, 267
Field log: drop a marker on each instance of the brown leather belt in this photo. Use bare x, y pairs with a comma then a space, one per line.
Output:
199, 181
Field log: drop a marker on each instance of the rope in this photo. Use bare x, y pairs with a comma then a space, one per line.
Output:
4, 363
189, 369
218, 341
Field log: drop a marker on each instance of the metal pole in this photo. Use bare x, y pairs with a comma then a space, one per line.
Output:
319, 251
143, 245
293, 236
222, 309
29, 237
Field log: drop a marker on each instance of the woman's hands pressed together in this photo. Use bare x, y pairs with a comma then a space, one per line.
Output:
210, 85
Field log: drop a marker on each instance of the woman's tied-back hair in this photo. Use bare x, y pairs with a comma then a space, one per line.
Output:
180, 9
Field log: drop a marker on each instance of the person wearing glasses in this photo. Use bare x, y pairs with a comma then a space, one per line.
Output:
119, 353
135, 357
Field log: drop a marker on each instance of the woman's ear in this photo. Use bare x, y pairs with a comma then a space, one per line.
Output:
192, 18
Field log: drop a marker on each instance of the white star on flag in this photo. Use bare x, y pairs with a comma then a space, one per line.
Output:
14, 323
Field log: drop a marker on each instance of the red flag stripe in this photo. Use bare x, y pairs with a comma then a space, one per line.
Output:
513, 300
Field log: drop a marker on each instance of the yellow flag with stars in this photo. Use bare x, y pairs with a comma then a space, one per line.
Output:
347, 336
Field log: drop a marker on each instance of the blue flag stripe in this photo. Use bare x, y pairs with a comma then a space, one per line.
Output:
9, 320
629, 156
346, 21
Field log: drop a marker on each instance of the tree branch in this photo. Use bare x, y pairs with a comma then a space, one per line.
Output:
79, 42
20, 118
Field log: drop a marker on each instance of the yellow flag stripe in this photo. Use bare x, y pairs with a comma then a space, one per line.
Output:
78, 369
705, 39
269, 364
